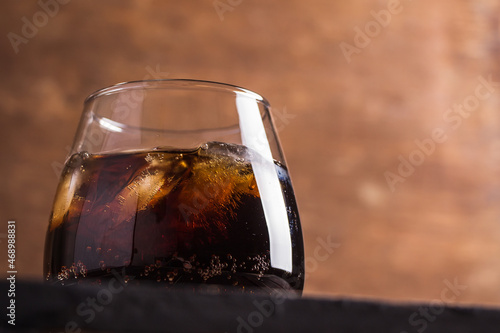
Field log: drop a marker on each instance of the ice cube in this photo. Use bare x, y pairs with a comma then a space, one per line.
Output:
236, 152
71, 179
220, 177
149, 185
111, 220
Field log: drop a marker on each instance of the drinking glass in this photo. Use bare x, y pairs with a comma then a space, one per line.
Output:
176, 183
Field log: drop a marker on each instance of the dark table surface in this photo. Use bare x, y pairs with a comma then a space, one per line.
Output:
118, 307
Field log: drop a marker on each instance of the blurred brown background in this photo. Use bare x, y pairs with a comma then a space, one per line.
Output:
354, 85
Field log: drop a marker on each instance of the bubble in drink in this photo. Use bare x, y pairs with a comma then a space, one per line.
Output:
169, 216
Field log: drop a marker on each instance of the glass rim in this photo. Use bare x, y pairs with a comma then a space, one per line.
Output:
175, 84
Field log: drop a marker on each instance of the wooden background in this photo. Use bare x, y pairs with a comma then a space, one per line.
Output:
347, 118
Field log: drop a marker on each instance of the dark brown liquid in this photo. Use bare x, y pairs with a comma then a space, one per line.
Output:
170, 216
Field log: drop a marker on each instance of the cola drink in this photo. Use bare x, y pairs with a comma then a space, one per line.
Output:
171, 216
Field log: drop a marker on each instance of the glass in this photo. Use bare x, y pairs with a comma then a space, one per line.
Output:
176, 182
